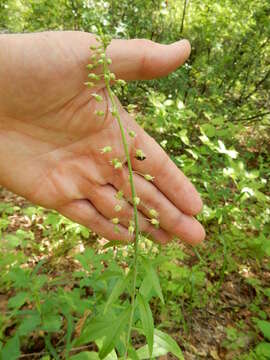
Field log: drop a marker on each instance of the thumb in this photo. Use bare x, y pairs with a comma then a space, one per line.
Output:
142, 59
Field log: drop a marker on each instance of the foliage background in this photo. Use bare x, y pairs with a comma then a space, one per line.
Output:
213, 117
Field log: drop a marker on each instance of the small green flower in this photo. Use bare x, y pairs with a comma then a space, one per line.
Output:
119, 195
132, 133
97, 97
109, 61
90, 66
99, 113
112, 76
121, 82
117, 164
118, 208
155, 222
136, 200
115, 221
148, 177
93, 76
153, 213
106, 149
140, 155
89, 84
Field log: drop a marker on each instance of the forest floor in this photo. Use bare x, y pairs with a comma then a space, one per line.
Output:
223, 329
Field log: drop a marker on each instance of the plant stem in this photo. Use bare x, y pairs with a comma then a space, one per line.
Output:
133, 193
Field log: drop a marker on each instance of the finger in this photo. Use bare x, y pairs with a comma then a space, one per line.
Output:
144, 59
84, 213
167, 177
171, 219
108, 203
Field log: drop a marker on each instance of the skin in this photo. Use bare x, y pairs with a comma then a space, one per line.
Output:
51, 138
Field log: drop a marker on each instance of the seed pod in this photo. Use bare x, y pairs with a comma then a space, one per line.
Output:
155, 222
97, 97
148, 177
153, 213
106, 149
136, 200
118, 208
140, 155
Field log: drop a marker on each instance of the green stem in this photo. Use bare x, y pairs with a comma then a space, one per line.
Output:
133, 192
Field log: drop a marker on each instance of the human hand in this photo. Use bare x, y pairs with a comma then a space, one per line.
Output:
51, 138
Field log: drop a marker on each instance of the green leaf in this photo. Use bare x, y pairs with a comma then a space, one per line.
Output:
147, 321
118, 289
29, 324
52, 323
11, 350
85, 355
263, 350
153, 279
114, 333
209, 130
163, 344
264, 326
18, 300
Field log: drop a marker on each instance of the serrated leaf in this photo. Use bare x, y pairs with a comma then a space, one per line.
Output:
85, 355
163, 344
153, 279
114, 333
264, 326
147, 321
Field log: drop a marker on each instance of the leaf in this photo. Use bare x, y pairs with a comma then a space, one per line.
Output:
118, 289
153, 279
18, 300
209, 130
263, 349
85, 355
163, 344
264, 326
114, 333
147, 321
11, 350
29, 324
51, 323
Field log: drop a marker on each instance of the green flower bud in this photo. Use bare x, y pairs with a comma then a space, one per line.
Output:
99, 113
89, 84
140, 154
93, 76
136, 200
148, 177
132, 133
118, 208
97, 97
119, 195
153, 213
115, 221
117, 164
106, 149
155, 222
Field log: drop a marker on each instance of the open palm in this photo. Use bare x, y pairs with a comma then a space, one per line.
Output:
51, 138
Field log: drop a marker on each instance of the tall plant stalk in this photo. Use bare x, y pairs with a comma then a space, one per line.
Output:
133, 193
